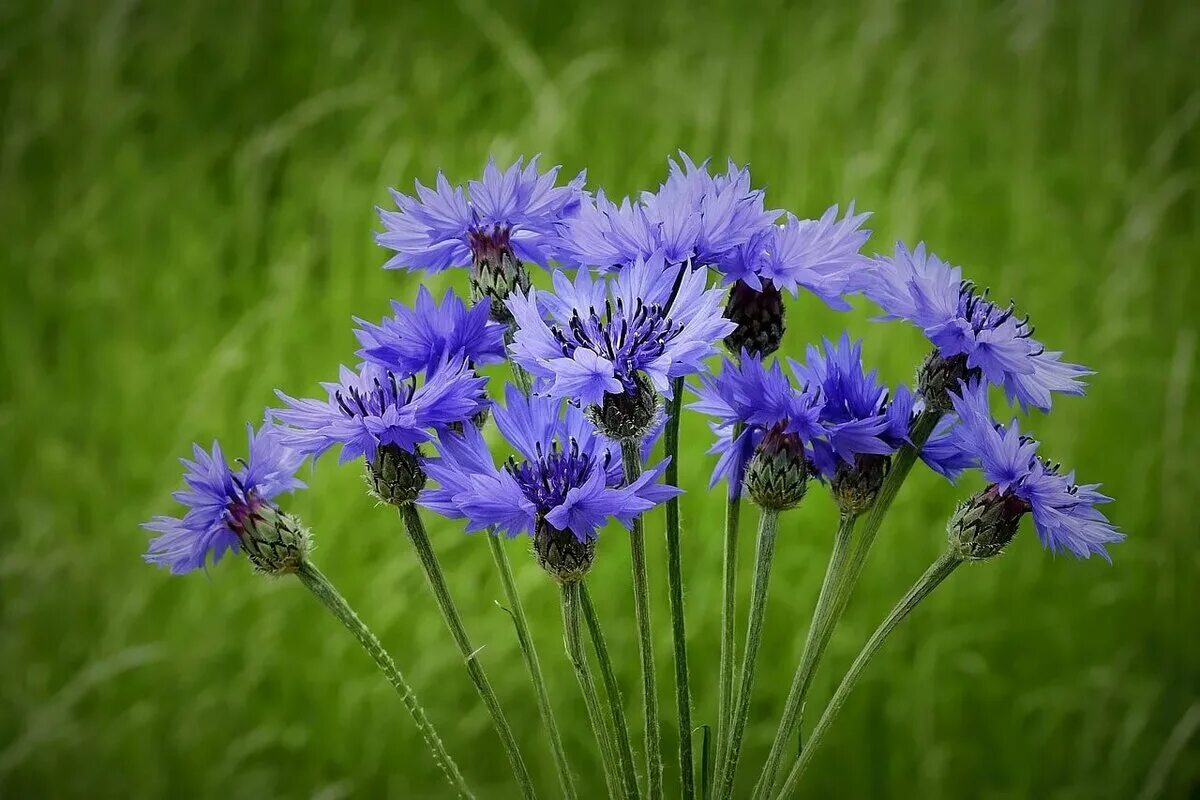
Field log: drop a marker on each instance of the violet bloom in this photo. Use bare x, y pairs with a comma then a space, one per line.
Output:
223, 502
1020, 481
652, 319
972, 335
749, 401
565, 483
423, 337
694, 217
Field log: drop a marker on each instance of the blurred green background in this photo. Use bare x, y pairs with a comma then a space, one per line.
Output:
186, 194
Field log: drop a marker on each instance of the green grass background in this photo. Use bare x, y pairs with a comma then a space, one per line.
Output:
186, 194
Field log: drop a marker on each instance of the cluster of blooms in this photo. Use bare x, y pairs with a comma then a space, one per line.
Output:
659, 282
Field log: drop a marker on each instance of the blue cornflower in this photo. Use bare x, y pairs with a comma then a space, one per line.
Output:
860, 415
652, 318
962, 324
693, 217
223, 502
374, 408
510, 212
565, 483
421, 338
749, 401
1020, 481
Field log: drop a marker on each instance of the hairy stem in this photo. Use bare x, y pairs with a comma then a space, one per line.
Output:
937, 572
631, 455
727, 766
728, 660
533, 665
573, 642
324, 590
819, 632
441, 593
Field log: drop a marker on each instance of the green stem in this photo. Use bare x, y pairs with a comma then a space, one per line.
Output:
533, 665
683, 694
632, 457
937, 572
727, 665
727, 766
819, 632
323, 590
441, 593
622, 746
573, 642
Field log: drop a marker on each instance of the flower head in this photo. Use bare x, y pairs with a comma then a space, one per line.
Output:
693, 217
1065, 514
430, 333
966, 326
653, 318
224, 503
564, 475
748, 400
511, 211
375, 407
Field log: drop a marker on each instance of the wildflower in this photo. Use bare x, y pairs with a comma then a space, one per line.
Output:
228, 508
821, 256
694, 217
564, 484
497, 225
972, 336
749, 401
615, 344
1020, 482
423, 337
383, 417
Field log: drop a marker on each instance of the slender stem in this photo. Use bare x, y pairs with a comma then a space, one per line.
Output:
819, 632
728, 661
437, 583
683, 694
323, 590
621, 745
727, 766
937, 572
573, 642
529, 651
632, 457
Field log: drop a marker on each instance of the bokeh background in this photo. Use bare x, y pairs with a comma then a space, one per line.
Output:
186, 200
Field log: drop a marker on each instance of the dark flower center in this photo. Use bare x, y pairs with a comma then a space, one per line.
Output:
983, 314
546, 479
389, 391
628, 337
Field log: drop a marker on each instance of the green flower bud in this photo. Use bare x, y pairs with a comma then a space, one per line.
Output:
856, 487
395, 475
495, 272
939, 376
983, 525
561, 553
276, 543
777, 475
628, 416
759, 317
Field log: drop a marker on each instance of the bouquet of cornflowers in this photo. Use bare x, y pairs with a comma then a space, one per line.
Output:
644, 293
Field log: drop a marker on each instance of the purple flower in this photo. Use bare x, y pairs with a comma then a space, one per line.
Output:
375, 407
822, 256
693, 217
564, 473
651, 318
513, 211
423, 337
861, 417
220, 500
1064, 514
754, 399
919, 287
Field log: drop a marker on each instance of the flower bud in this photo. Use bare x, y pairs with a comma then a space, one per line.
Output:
759, 317
856, 487
983, 525
495, 271
938, 376
395, 475
276, 543
561, 553
627, 416
777, 475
